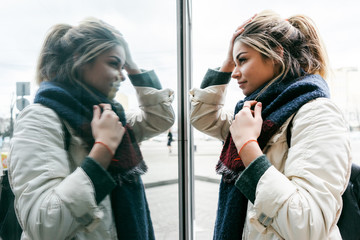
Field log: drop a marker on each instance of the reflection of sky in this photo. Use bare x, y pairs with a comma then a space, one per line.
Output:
150, 28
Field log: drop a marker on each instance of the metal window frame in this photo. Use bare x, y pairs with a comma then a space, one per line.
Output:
185, 135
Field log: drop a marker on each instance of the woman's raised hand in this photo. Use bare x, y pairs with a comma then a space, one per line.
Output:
129, 66
229, 64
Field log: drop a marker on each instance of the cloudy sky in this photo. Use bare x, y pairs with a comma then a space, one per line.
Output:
150, 28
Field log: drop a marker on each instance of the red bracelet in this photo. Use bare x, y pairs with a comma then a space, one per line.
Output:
251, 140
106, 146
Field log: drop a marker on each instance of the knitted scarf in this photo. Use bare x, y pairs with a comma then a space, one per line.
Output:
74, 104
280, 100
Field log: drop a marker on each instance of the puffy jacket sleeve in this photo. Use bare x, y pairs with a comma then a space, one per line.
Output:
304, 201
207, 113
51, 201
155, 113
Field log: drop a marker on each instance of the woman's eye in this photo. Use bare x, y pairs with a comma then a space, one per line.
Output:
115, 64
241, 60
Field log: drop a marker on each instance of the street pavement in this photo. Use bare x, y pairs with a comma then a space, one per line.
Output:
162, 188
163, 200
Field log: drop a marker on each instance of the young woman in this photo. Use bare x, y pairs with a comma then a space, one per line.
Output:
75, 164
286, 156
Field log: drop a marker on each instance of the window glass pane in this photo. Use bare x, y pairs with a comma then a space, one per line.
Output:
213, 25
149, 27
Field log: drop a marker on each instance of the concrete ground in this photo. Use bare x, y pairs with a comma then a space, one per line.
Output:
163, 200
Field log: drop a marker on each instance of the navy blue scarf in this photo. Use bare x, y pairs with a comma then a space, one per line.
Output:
74, 104
280, 100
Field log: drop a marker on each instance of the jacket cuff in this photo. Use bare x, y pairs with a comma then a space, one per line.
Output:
101, 179
145, 79
249, 178
214, 77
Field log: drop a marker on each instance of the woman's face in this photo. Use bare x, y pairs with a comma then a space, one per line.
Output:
105, 72
251, 69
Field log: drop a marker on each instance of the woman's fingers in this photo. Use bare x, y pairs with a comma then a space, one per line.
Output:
257, 111
236, 34
249, 104
105, 106
107, 109
96, 112
229, 64
239, 30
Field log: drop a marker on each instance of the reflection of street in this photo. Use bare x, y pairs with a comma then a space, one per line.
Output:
162, 189
163, 166
163, 197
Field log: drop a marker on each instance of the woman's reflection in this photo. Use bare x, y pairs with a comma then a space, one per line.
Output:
75, 163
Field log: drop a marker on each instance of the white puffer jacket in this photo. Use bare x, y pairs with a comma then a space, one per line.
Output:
54, 197
300, 194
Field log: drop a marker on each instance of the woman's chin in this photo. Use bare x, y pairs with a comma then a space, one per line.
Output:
245, 92
112, 94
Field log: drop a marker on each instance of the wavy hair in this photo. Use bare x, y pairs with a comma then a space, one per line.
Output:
67, 48
293, 43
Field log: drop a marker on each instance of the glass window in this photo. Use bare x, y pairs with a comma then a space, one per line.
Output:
149, 27
212, 27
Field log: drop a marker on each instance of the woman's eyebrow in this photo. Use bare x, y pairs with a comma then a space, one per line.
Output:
237, 56
117, 58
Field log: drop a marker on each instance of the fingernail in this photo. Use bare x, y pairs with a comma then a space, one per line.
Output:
260, 104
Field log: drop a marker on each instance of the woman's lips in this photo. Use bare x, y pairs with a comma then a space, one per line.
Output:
241, 84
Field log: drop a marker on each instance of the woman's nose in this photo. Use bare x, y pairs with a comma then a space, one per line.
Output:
121, 77
236, 73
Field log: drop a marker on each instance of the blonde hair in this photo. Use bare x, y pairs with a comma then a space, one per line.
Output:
66, 49
294, 43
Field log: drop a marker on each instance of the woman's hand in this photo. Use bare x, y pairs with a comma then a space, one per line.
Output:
129, 66
107, 129
247, 126
229, 64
